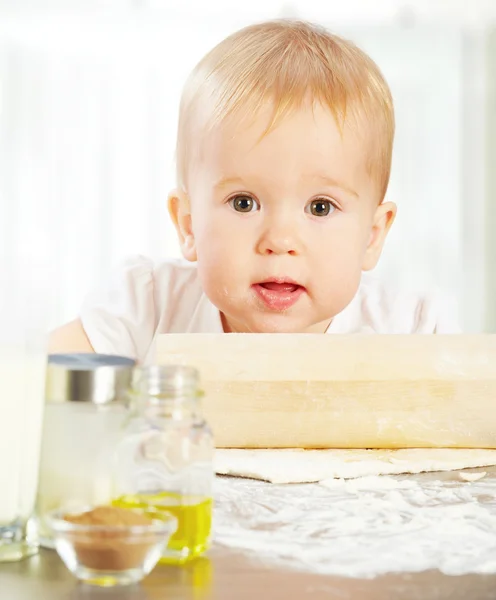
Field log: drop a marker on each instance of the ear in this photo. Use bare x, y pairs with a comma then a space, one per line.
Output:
180, 213
382, 220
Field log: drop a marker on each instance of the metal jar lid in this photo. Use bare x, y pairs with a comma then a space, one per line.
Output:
96, 378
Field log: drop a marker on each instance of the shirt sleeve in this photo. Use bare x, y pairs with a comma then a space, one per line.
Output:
439, 314
121, 317
384, 308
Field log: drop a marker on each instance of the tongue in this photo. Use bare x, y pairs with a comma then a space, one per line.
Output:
279, 287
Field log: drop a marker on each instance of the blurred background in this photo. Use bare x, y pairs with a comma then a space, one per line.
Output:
89, 92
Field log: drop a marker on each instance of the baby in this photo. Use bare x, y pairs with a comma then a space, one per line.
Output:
283, 160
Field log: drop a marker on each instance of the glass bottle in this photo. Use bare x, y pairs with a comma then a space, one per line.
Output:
86, 406
164, 461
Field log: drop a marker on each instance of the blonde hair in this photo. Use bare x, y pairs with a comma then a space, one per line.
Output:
285, 63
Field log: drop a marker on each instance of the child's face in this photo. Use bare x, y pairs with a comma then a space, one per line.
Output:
282, 226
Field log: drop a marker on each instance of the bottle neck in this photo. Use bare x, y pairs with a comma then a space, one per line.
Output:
162, 409
168, 392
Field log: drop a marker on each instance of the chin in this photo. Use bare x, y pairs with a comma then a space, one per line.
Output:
273, 323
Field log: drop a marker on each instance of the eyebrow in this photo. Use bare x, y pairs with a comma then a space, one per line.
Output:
228, 181
334, 183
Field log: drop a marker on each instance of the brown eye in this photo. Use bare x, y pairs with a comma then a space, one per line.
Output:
321, 207
244, 204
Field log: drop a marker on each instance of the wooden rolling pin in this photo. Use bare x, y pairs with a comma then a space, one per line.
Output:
350, 391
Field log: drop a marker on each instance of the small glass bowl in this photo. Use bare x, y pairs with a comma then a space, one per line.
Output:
110, 555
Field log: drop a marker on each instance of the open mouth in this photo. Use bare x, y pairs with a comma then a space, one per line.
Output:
278, 294
275, 286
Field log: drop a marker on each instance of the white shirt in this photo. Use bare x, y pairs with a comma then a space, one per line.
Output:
145, 299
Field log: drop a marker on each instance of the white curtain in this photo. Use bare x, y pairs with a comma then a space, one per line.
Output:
88, 108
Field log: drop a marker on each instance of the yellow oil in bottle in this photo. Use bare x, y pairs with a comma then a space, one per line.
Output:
194, 516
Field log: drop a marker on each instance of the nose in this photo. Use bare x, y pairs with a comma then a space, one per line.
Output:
278, 238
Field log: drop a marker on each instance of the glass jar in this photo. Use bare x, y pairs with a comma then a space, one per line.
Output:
86, 404
164, 461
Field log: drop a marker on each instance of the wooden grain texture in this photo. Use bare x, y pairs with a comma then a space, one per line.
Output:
332, 391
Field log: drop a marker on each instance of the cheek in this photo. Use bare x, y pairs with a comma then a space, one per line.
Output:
221, 249
208, 234
345, 239
337, 259
220, 237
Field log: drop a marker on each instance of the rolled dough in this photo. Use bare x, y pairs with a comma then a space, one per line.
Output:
307, 466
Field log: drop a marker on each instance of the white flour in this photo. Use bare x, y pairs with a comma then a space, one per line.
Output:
363, 527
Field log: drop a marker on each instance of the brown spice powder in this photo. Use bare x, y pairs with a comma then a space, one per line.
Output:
111, 550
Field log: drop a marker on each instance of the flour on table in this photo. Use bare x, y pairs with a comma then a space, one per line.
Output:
307, 466
361, 527
471, 476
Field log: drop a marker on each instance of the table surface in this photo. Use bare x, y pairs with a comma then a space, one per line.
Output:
228, 573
